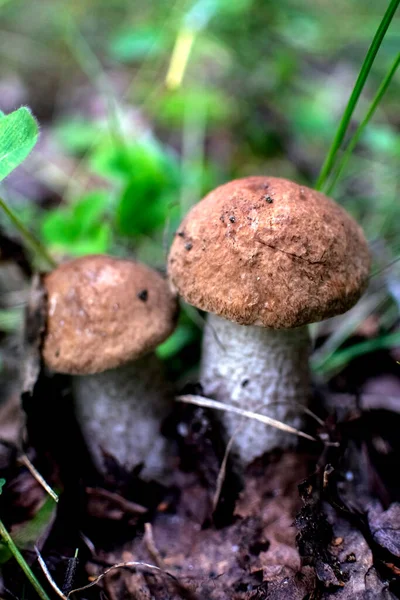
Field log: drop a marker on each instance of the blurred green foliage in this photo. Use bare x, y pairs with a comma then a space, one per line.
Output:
78, 229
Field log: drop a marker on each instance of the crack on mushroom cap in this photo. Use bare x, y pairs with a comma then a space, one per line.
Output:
94, 319
311, 262
301, 259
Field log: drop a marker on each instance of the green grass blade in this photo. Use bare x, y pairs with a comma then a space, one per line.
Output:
22, 562
370, 112
341, 358
358, 87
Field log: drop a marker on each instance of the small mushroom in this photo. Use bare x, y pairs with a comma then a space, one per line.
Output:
281, 264
105, 317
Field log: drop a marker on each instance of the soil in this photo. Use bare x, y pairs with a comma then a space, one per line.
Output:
317, 521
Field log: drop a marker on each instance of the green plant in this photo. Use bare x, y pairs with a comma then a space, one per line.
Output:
357, 90
12, 550
18, 135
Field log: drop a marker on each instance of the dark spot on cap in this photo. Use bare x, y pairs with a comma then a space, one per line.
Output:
245, 382
268, 199
143, 295
232, 219
57, 353
188, 246
181, 234
222, 218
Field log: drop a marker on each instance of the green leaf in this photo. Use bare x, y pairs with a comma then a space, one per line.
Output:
89, 209
142, 207
79, 229
2, 482
149, 174
18, 135
96, 241
28, 534
182, 336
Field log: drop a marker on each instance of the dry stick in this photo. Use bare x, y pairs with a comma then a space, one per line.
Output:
151, 547
130, 564
222, 470
124, 565
208, 403
49, 578
23, 459
126, 505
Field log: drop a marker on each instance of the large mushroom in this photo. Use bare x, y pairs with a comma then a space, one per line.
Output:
105, 317
265, 257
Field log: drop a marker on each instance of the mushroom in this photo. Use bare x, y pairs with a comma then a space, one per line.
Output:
265, 257
105, 317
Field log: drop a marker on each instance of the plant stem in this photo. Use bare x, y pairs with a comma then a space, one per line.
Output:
373, 106
22, 562
38, 248
358, 87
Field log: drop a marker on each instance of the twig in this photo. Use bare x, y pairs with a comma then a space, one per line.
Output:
126, 505
124, 565
151, 547
49, 578
208, 403
222, 470
23, 459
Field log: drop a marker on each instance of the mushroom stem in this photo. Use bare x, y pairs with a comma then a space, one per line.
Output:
120, 412
258, 369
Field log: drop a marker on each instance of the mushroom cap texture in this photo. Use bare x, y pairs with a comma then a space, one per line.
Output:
103, 312
266, 251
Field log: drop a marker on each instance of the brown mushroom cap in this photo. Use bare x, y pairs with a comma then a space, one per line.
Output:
103, 312
266, 251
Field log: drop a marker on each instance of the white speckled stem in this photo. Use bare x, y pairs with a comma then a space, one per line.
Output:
257, 369
120, 412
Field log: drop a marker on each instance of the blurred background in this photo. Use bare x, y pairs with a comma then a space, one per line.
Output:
146, 106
